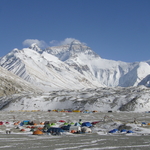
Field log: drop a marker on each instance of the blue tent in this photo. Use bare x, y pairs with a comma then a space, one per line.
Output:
113, 131
25, 122
144, 123
86, 124
21, 124
129, 131
55, 130
123, 130
66, 127
77, 124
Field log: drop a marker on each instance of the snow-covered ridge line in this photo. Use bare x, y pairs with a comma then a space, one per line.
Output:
11, 84
101, 99
72, 76
73, 66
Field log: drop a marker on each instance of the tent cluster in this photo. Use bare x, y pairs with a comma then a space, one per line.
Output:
68, 110
52, 127
57, 127
122, 131
58, 110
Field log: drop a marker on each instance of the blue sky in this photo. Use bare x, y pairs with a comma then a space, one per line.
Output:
114, 29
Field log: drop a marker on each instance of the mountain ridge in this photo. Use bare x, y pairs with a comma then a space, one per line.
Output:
73, 65
71, 76
41, 68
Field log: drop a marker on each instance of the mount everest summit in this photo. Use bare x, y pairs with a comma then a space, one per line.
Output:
75, 67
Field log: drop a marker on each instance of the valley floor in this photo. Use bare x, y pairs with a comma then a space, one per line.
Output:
99, 139
71, 142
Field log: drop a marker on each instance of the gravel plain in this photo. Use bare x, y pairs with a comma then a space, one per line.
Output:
99, 139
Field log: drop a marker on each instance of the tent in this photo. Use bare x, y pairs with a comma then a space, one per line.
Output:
69, 110
87, 111
25, 122
94, 111
72, 123
86, 124
66, 123
49, 125
76, 111
1, 122
143, 123
129, 131
22, 130
86, 130
95, 122
37, 132
77, 124
55, 130
62, 121
123, 130
67, 128
76, 128
113, 131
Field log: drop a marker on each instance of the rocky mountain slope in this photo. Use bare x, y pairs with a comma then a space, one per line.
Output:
101, 99
11, 85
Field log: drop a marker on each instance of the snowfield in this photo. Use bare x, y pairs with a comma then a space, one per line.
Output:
135, 99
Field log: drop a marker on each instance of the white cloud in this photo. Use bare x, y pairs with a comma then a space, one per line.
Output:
43, 44
54, 43
64, 42
40, 43
67, 41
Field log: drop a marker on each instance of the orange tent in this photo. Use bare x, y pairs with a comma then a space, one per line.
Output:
73, 131
23, 130
37, 132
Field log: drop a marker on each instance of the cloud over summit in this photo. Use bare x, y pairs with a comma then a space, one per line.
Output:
40, 43
64, 42
43, 44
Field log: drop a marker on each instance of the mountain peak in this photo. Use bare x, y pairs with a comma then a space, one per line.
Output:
76, 42
35, 47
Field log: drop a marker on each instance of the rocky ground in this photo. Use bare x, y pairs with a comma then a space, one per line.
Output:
100, 138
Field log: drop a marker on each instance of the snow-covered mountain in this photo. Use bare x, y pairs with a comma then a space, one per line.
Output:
73, 66
71, 76
44, 70
107, 72
11, 85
